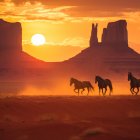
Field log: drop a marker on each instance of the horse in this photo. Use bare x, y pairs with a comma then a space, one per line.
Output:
81, 85
134, 83
88, 85
103, 84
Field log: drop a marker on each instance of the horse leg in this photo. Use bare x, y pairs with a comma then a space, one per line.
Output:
88, 90
75, 91
110, 92
78, 92
99, 92
104, 92
137, 91
132, 90
82, 91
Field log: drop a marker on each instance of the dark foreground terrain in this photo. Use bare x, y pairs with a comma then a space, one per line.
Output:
70, 118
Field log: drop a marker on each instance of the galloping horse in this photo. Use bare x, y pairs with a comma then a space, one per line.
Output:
81, 85
134, 83
102, 84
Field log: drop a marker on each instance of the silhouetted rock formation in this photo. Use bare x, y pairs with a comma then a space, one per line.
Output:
97, 57
110, 56
11, 54
115, 34
10, 43
94, 38
10, 37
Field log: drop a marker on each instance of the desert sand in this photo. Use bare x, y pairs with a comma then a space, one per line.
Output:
70, 118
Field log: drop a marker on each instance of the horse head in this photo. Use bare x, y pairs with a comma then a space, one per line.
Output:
96, 79
129, 76
71, 81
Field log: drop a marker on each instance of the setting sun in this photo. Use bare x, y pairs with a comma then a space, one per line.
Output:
38, 39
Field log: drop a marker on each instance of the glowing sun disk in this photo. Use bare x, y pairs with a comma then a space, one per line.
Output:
38, 39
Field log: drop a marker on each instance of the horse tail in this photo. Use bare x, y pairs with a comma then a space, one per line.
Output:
91, 86
111, 87
109, 83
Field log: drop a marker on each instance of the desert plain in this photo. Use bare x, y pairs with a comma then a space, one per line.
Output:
70, 118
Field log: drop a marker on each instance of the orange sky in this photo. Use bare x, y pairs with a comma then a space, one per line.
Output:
67, 24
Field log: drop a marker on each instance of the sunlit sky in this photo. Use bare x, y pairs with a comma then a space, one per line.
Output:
66, 24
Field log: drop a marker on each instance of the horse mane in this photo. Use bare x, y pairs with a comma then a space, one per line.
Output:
132, 76
107, 79
99, 77
74, 79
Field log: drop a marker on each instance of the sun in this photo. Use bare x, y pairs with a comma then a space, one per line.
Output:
38, 39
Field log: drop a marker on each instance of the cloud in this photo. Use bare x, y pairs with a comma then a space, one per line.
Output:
94, 3
64, 11
97, 5
132, 16
73, 42
77, 41
29, 11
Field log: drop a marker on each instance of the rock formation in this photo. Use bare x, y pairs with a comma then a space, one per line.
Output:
10, 43
111, 56
10, 37
115, 34
94, 38
11, 54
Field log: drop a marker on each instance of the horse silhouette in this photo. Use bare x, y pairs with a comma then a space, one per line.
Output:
81, 85
134, 83
103, 84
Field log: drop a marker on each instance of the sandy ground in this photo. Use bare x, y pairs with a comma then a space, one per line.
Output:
70, 118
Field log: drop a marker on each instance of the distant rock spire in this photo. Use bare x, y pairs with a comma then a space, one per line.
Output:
116, 34
94, 38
